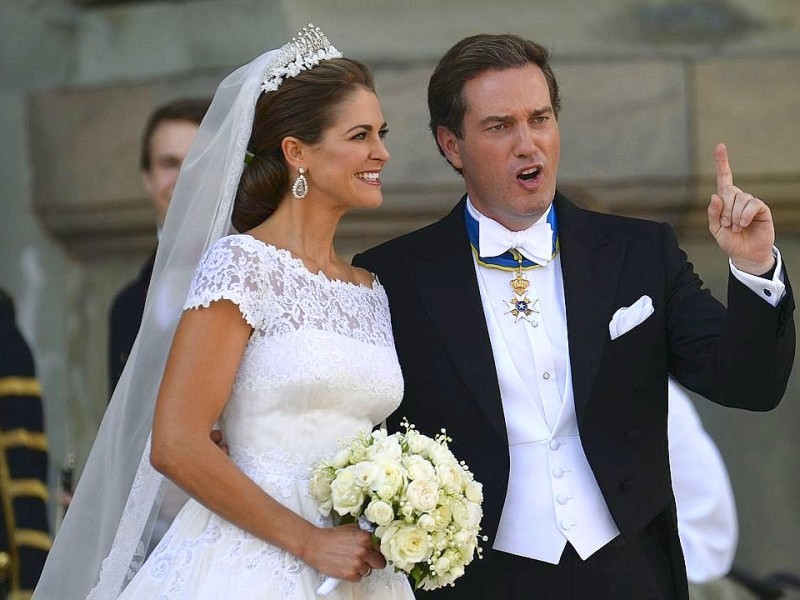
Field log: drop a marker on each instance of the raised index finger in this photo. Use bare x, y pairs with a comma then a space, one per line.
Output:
724, 175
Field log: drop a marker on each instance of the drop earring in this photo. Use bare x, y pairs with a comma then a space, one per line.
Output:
300, 185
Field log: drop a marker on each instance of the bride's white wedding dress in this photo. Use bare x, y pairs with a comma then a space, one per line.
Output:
320, 366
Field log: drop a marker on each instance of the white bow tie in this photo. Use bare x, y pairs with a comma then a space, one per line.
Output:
534, 243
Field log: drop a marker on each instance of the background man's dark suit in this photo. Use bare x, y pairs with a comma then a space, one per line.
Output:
741, 357
124, 321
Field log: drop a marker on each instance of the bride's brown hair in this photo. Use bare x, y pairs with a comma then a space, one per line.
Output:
303, 107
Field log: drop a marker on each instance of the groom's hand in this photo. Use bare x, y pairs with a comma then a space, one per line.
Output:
740, 222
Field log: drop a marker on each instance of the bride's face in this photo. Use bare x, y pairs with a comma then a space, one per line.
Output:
344, 167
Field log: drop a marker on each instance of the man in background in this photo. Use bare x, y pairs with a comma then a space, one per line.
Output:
167, 137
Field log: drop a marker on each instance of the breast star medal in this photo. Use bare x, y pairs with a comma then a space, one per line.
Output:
520, 306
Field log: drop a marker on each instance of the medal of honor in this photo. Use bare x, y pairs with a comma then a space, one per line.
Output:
520, 306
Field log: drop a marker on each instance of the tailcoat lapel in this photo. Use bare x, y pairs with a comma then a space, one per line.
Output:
591, 264
443, 276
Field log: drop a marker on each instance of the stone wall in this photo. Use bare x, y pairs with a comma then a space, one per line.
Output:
649, 87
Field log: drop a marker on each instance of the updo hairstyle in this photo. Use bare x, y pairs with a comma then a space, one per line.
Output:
303, 107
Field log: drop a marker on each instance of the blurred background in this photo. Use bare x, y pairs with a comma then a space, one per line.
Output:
649, 87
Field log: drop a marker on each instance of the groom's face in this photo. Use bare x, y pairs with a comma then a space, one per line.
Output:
510, 147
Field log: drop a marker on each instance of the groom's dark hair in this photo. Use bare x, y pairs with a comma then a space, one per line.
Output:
471, 57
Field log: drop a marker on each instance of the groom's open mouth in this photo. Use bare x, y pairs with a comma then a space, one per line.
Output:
529, 176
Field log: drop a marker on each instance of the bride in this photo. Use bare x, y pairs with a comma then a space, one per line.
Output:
284, 345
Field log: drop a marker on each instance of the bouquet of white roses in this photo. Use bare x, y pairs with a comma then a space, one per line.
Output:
425, 506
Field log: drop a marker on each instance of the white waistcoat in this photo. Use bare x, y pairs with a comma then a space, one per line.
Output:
552, 497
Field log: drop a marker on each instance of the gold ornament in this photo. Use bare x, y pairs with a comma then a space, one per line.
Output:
520, 306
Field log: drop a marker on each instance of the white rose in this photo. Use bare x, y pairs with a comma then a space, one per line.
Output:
342, 458
379, 512
474, 492
440, 454
389, 478
455, 568
378, 434
385, 447
475, 513
442, 565
456, 571
418, 443
364, 473
442, 515
406, 547
465, 542
427, 522
469, 554
320, 484
385, 492
423, 494
419, 467
346, 495
449, 475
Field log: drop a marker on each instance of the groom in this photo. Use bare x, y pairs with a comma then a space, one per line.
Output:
541, 335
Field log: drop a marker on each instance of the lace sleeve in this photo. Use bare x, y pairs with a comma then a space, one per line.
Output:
229, 271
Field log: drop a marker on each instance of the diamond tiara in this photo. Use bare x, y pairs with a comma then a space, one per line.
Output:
306, 50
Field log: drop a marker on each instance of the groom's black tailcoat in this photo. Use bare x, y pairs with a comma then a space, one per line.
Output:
738, 357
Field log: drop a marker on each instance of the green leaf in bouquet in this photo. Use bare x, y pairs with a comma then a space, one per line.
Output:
418, 573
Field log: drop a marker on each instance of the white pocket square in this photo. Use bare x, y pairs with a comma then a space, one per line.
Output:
628, 317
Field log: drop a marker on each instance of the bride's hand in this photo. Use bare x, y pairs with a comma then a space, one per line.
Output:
343, 552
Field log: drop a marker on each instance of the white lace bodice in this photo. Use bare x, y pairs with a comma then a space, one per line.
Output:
277, 294
320, 364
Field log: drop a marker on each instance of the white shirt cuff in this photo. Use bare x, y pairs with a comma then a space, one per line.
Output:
771, 290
